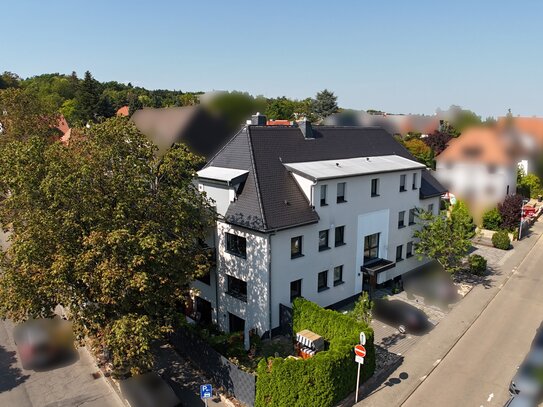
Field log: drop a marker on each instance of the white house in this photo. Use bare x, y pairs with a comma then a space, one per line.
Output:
480, 166
321, 212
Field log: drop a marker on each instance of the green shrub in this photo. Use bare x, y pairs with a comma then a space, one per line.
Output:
492, 219
327, 377
477, 264
501, 240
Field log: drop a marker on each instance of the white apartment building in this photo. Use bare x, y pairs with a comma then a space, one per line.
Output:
321, 212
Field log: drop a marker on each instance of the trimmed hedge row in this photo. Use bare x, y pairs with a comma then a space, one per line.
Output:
324, 379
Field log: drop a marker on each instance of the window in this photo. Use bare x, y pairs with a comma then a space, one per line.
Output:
399, 250
338, 275
507, 193
402, 183
296, 247
322, 281
323, 195
375, 187
341, 192
236, 245
295, 289
323, 240
206, 279
237, 288
414, 186
235, 323
409, 250
340, 236
431, 208
371, 247
401, 219
412, 213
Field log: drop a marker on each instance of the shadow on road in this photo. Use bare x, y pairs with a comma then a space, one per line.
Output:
10, 375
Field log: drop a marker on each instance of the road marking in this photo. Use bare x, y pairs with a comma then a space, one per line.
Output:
436, 362
490, 397
423, 377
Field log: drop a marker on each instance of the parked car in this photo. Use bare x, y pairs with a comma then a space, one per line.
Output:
42, 343
434, 285
521, 401
538, 339
401, 315
148, 390
528, 380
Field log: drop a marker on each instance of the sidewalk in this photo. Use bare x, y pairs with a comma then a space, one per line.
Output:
426, 354
184, 378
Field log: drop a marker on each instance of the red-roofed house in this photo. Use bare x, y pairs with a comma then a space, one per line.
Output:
123, 111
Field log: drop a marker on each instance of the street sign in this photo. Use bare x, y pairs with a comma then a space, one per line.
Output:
205, 391
359, 350
359, 359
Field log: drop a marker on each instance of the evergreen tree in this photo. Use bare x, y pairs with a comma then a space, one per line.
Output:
325, 104
87, 99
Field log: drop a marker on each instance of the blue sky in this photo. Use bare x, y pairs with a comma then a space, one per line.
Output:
405, 56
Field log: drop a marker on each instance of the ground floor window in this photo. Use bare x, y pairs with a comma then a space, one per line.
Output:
204, 310
235, 323
295, 289
338, 275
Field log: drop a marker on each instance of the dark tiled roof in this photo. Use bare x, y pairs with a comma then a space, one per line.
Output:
271, 199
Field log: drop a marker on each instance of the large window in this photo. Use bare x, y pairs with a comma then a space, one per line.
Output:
236, 245
341, 192
409, 250
338, 275
237, 288
296, 247
322, 280
323, 240
414, 186
402, 183
375, 187
399, 252
323, 195
340, 236
371, 247
295, 289
412, 213
401, 219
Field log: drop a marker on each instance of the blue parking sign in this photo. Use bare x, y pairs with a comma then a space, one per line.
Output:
205, 391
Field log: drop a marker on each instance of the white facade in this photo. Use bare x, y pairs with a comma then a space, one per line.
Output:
268, 268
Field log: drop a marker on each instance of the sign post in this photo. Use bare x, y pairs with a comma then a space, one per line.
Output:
206, 392
359, 352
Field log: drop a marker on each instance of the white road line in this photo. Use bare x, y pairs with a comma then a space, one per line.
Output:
436, 362
423, 377
490, 397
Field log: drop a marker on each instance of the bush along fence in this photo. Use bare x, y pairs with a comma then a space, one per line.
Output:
327, 377
222, 372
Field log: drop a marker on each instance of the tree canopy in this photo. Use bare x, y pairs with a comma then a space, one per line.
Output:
325, 104
104, 228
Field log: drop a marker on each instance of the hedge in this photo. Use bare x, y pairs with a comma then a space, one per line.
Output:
327, 377
492, 219
501, 240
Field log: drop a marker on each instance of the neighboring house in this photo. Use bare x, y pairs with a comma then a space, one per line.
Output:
529, 132
480, 166
393, 123
201, 131
321, 212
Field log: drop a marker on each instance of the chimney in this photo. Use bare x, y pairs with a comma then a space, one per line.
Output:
258, 119
307, 129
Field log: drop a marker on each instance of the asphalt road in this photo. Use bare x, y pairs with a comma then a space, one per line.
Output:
478, 369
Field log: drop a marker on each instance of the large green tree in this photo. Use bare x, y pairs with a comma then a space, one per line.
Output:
105, 228
442, 239
325, 104
23, 115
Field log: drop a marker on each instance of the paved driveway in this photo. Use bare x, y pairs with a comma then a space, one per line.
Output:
67, 386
